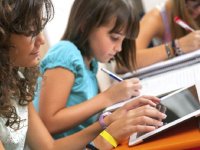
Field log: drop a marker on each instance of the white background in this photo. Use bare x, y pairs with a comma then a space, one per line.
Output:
55, 29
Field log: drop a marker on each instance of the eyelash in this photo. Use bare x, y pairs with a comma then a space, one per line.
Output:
114, 38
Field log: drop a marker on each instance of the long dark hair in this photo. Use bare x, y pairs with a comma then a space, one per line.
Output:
87, 14
23, 17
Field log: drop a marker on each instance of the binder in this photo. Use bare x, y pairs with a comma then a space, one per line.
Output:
165, 66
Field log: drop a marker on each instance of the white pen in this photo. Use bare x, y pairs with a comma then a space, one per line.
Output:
183, 24
112, 75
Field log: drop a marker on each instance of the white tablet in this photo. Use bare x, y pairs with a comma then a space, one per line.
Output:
180, 106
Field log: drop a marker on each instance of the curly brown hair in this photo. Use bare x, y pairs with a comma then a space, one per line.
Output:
23, 17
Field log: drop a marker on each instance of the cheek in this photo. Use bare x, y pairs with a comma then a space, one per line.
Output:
20, 59
102, 48
105, 44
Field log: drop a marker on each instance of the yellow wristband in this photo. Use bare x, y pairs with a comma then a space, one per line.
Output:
109, 138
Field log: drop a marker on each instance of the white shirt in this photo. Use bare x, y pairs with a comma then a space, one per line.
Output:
15, 139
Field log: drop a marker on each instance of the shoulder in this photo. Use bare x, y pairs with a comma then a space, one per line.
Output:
153, 16
64, 54
153, 22
63, 48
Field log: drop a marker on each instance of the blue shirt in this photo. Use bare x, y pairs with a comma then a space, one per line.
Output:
66, 55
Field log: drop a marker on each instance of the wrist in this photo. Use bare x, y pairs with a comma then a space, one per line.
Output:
178, 49
104, 121
176, 46
109, 138
107, 98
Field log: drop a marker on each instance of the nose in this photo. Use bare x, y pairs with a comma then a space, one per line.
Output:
41, 38
118, 47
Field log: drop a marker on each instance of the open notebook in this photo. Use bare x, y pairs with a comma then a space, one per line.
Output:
161, 67
180, 105
162, 84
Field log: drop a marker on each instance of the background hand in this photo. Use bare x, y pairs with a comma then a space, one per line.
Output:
190, 42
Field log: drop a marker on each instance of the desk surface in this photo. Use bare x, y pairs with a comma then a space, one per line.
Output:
183, 136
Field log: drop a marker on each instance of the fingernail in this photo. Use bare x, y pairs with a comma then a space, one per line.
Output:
164, 116
160, 123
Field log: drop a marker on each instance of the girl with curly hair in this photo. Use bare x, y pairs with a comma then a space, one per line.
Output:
21, 23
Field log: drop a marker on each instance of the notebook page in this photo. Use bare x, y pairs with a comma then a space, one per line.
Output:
171, 80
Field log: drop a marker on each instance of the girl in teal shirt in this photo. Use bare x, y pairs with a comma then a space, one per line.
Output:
97, 30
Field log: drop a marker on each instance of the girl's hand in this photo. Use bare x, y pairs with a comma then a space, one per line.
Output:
122, 91
139, 120
141, 101
139, 115
190, 42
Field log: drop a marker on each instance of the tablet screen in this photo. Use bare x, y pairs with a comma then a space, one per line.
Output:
181, 104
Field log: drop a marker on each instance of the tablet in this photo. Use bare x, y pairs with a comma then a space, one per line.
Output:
179, 106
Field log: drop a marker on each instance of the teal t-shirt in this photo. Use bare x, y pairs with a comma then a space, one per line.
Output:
66, 55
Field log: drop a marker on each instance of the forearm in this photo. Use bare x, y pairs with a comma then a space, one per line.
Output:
79, 140
102, 144
146, 57
62, 120
39, 138
151, 56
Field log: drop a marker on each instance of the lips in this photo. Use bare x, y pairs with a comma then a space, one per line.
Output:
112, 55
35, 52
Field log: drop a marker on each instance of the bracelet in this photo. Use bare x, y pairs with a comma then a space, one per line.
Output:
91, 147
101, 121
109, 138
168, 51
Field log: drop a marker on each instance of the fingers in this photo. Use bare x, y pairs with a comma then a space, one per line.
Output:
147, 121
134, 86
143, 128
136, 83
146, 116
151, 100
145, 124
148, 111
142, 124
143, 100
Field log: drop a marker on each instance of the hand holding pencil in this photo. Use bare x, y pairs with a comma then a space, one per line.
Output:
122, 90
191, 41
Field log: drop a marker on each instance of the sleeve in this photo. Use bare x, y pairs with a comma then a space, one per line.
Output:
64, 54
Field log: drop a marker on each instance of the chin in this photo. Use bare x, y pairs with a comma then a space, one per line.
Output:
32, 63
104, 61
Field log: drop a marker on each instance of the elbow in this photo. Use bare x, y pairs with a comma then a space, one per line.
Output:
51, 127
50, 123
